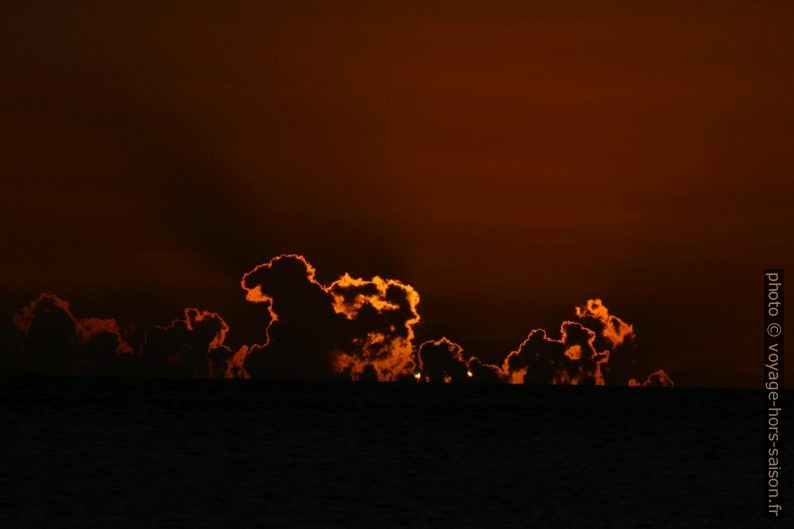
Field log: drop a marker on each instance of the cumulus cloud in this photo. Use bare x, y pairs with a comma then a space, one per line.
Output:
55, 342
444, 361
571, 359
612, 334
190, 347
381, 315
594, 315
303, 331
657, 379
536, 360
597, 349
483, 372
351, 328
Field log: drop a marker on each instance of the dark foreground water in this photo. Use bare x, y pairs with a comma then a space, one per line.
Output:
134, 453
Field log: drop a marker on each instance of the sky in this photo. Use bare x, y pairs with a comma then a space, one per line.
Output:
507, 161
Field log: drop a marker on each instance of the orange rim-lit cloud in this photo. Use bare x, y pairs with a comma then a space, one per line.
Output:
352, 328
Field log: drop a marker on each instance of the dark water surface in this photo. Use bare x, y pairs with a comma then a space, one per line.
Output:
138, 453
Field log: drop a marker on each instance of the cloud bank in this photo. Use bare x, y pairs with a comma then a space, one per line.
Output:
349, 329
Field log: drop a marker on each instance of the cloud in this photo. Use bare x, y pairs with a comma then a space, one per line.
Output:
612, 334
658, 379
55, 342
597, 349
190, 347
303, 331
610, 327
352, 328
539, 359
443, 361
482, 372
230, 363
381, 315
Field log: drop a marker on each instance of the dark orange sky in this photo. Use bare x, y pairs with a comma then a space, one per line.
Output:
509, 162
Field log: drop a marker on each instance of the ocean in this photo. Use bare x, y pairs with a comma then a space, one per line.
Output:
84, 452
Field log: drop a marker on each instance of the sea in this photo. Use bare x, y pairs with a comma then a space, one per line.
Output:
113, 453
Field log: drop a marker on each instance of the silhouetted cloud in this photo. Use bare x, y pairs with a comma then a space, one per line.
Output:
536, 360
190, 347
304, 332
352, 328
444, 361
658, 379
56, 342
596, 350
482, 372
